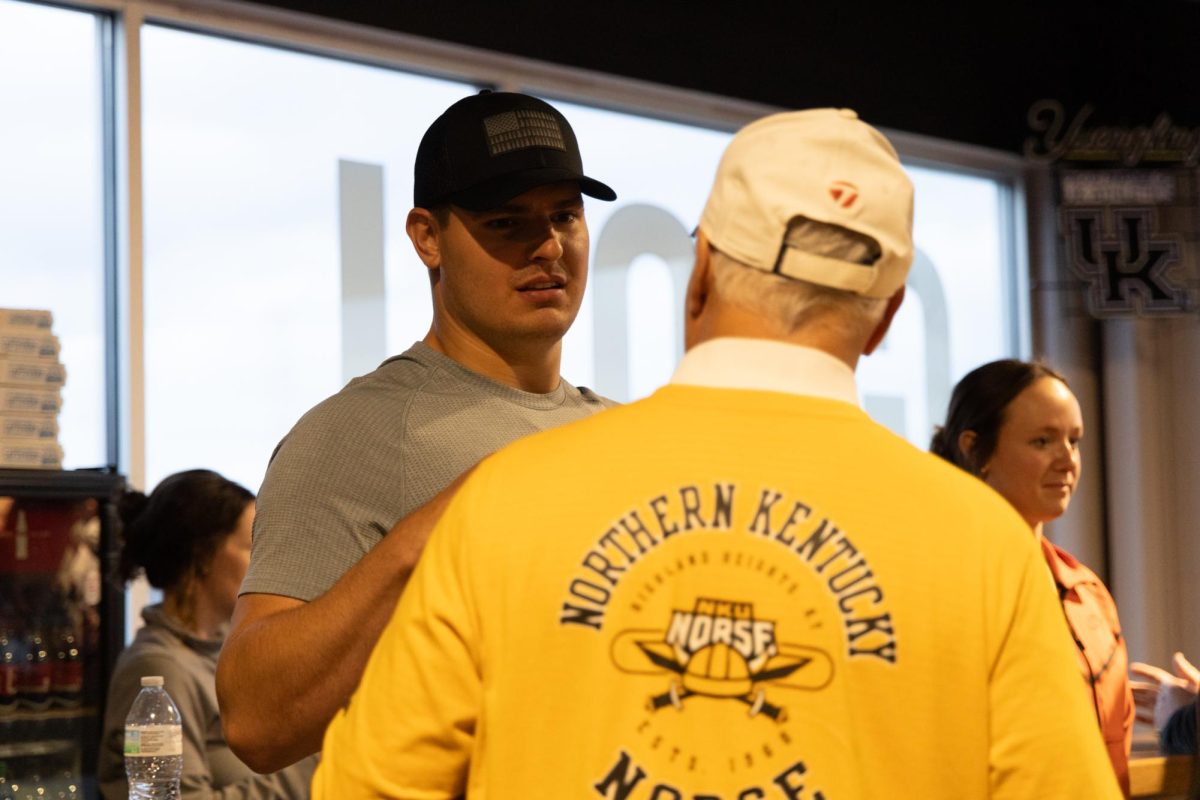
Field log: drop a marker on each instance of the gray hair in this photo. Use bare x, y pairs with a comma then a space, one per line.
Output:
789, 304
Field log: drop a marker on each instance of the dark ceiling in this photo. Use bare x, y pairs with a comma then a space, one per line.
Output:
964, 71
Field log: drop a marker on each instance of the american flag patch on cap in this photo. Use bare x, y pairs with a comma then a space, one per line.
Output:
516, 130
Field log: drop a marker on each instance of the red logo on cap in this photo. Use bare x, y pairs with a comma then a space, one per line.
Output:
844, 194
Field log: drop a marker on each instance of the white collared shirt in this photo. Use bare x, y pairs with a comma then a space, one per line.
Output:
766, 365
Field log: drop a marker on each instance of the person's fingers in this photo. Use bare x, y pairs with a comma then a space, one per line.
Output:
1145, 716
1152, 672
1185, 669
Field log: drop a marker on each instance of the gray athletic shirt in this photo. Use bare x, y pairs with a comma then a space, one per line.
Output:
380, 448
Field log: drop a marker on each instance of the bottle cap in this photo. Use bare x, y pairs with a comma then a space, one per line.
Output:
152, 680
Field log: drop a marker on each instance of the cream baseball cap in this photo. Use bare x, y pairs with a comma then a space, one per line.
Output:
825, 165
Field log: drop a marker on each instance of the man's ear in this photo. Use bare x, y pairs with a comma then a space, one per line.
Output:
893, 305
698, 291
424, 232
699, 283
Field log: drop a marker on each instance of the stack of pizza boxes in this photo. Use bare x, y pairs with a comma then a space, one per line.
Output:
31, 381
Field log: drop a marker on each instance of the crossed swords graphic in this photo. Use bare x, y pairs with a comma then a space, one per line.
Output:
756, 700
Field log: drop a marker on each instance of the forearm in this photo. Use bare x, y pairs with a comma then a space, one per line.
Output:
282, 677
288, 666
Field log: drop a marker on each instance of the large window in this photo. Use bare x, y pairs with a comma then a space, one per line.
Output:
51, 202
277, 266
275, 186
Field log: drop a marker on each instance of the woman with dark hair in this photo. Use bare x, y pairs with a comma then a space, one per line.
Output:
1017, 426
191, 538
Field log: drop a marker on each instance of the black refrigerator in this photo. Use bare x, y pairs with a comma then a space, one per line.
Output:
62, 625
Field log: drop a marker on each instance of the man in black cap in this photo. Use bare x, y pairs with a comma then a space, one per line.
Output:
498, 222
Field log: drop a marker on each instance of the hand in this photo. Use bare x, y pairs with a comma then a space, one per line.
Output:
1159, 697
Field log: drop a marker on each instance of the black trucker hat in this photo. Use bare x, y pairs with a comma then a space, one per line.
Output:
490, 147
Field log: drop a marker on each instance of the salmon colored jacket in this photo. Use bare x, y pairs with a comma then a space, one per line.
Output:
1092, 617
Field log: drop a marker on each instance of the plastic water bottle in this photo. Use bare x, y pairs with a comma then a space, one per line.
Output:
153, 744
